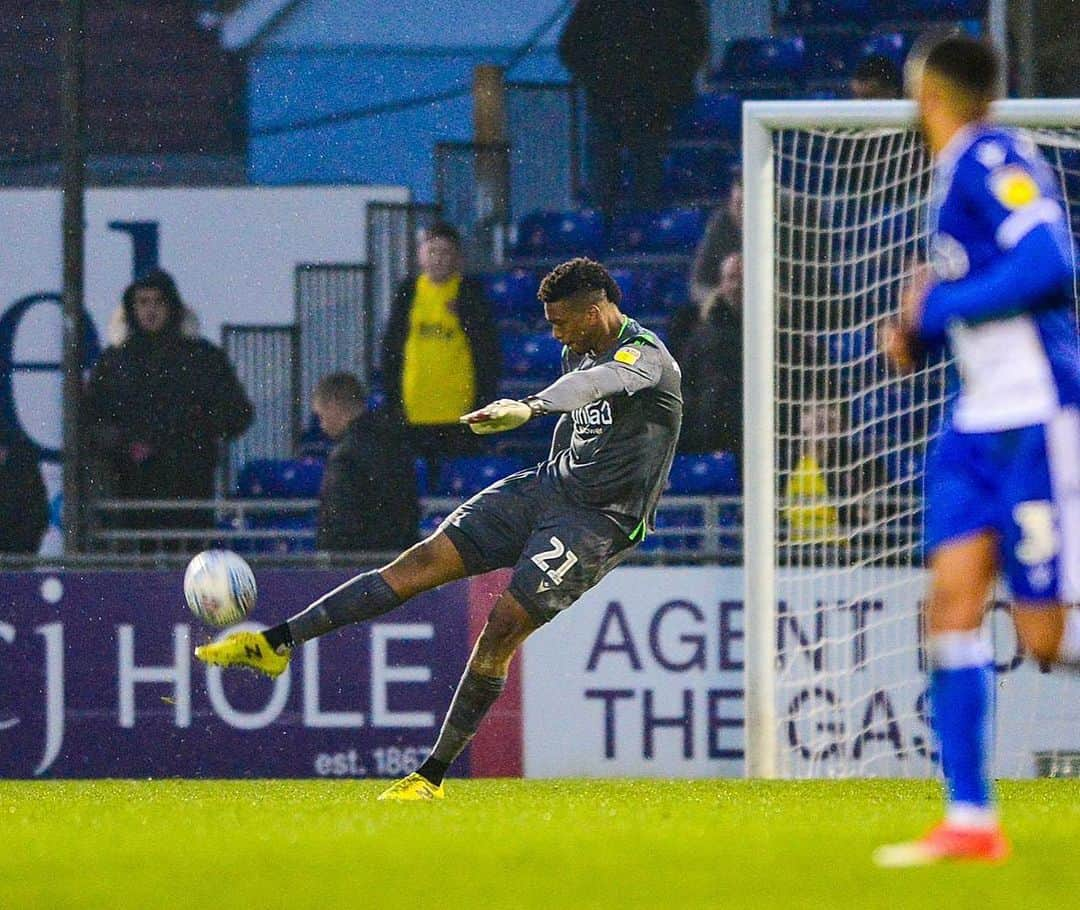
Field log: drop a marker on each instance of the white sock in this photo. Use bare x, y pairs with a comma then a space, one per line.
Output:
956, 650
1069, 648
967, 815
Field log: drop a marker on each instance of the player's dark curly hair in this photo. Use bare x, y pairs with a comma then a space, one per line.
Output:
576, 279
968, 63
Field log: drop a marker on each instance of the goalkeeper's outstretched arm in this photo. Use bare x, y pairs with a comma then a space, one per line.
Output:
567, 393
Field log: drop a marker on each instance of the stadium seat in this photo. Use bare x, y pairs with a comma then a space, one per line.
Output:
716, 474
292, 478
552, 233
465, 476
822, 12
894, 45
638, 288
533, 355
851, 345
712, 115
671, 518
765, 57
674, 230
512, 294
696, 172
671, 290
941, 9
429, 524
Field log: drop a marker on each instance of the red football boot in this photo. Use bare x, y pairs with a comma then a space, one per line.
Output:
947, 842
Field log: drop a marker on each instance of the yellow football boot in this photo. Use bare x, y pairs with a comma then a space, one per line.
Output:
245, 649
413, 788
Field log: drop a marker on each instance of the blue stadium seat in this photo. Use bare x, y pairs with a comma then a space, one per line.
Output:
712, 115
696, 172
941, 9
671, 290
887, 412
512, 294
674, 230
716, 474
465, 476
668, 518
551, 233
533, 356
430, 523
816, 12
638, 287
894, 45
850, 345
905, 467
764, 58
291, 478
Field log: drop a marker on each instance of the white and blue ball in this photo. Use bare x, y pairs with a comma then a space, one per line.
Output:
219, 587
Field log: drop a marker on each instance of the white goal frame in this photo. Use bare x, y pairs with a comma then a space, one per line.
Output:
760, 118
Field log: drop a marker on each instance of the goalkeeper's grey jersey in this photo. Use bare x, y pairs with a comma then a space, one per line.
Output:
614, 455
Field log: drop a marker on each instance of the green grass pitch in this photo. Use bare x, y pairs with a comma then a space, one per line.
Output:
513, 844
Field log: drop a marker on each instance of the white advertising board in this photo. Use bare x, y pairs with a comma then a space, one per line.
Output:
644, 677
233, 253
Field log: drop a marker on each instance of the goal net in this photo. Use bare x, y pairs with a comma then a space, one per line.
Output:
836, 222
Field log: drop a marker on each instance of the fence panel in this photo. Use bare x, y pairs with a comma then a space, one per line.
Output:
266, 359
333, 313
543, 125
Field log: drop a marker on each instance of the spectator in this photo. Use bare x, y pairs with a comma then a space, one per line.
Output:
723, 235
707, 342
876, 78
810, 508
158, 405
636, 61
368, 498
441, 350
24, 507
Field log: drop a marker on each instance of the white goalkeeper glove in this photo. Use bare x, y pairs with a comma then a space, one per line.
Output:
499, 416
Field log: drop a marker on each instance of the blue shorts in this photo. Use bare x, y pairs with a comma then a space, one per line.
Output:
1024, 486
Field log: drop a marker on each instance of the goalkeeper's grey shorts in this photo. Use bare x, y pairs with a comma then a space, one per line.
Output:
558, 549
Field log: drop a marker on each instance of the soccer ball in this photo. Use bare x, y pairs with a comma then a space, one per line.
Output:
219, 587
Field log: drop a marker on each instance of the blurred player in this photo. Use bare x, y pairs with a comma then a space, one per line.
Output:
562, 525
1003, 480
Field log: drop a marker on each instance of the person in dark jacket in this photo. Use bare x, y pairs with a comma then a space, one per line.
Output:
636, 61
158, 406
707, 343
368, 499
440, 351
24, 507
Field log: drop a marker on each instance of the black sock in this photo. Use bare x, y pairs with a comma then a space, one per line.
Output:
433, 770
363, 597
279, 635
474, 696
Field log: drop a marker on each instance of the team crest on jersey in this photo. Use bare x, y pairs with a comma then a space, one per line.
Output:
1013, 186
948, 257
629, 356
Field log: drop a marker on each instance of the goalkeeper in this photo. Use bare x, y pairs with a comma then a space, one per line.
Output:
561, 525
1003, 479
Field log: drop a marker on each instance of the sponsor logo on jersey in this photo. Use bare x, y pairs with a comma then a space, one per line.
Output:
1013, 186
629, 356
593, 416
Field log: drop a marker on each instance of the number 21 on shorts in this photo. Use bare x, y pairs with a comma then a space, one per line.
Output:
545, 563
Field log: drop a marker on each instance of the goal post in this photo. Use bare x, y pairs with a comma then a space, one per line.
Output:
835, 198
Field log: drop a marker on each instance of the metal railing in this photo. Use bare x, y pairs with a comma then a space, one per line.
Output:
699, 528
690, 529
